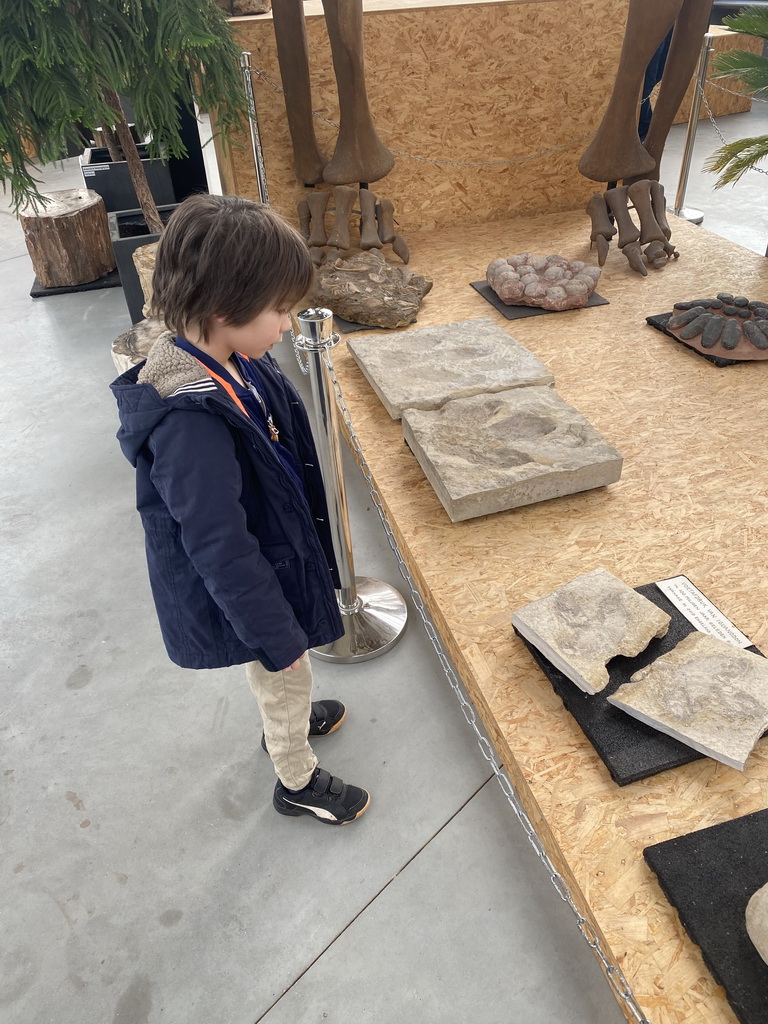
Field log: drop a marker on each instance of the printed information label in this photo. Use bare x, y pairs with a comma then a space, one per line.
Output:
91, 169
700, 611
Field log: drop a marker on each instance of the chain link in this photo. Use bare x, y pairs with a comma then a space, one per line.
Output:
612, 972
715, 125
303, 366
733, 92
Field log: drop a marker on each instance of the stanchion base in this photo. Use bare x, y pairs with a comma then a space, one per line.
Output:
372, 629
690, 214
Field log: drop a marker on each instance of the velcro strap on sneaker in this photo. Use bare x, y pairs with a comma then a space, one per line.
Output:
336, 786
323, 782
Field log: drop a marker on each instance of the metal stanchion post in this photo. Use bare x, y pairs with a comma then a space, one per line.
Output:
687, 212
374, 613
253, 121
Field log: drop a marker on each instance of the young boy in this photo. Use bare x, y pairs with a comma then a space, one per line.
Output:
228, 488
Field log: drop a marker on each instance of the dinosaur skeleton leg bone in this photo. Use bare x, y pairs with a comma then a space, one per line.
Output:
647, 198
602, 229
369, 236
317, 202
345, 197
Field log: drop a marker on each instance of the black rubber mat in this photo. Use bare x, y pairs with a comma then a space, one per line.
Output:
520, 312
630, 749
708, 877
110, 280
348, 326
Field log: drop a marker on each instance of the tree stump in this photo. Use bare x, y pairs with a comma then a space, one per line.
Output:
68, 239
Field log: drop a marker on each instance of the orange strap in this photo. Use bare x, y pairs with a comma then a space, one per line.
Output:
228, 388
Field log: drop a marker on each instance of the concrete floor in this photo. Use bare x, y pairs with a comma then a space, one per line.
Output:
738, 212
145, 877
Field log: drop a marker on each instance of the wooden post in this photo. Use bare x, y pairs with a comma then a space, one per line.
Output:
144, 261
68, 239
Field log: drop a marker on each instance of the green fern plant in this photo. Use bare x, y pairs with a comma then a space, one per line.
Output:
68, 61
736, 158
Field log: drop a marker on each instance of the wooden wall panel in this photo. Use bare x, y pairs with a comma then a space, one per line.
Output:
472, 84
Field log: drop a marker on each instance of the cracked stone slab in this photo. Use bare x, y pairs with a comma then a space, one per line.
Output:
757, 921
425, 367
706, 693
492, 452
588, 621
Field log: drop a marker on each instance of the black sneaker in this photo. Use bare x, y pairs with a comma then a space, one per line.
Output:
324, 797
325, 717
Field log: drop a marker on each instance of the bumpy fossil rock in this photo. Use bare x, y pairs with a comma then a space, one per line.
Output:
725, 326
551, 282
367, 290
588, 621
757, 921
706, 693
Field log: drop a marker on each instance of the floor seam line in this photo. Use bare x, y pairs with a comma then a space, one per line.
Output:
373, 899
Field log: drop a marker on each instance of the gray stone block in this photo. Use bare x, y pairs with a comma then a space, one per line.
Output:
588, 621
425, 367
492, 452
704, 692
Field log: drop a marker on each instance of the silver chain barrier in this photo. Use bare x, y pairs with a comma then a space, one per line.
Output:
303, 366
613, 973
733, 92
442, 163
715, 125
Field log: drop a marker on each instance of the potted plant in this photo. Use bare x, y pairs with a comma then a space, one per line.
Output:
65, 63
736, 158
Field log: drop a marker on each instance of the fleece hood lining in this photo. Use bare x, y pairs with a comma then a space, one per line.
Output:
168, 367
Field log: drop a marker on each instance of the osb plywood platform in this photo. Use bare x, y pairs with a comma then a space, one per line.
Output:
693, 500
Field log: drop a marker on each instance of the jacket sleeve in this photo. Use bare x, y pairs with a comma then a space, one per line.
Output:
198, 476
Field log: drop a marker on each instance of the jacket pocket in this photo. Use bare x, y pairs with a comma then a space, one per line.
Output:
281, 557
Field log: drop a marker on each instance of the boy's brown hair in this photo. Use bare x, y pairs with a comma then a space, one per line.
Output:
229, 257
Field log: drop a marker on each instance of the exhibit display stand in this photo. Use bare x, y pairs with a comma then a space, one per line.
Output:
689, 502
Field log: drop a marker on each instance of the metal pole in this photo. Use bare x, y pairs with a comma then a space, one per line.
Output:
688, 213
253, 121
316, 329
374, 614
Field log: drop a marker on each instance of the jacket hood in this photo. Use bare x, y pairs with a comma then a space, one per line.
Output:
147, 392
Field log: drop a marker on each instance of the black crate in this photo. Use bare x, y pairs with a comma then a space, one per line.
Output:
113, 182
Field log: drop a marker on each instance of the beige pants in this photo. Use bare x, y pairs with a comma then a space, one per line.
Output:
285, 702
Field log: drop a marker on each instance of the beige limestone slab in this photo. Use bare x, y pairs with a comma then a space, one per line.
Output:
498, 451
706, 693
423, 368
757, 921
582, 625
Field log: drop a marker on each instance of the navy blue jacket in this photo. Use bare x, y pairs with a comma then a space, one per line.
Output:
240, 560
